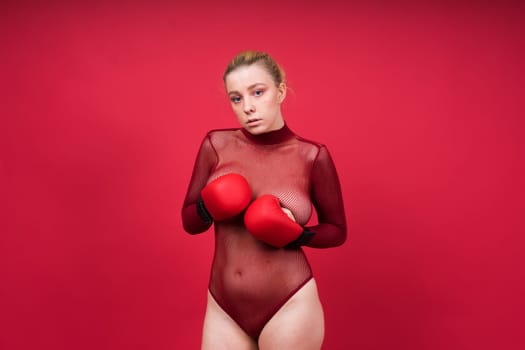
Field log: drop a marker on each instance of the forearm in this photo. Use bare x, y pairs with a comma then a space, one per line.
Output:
192, 222
328, 202
326, 235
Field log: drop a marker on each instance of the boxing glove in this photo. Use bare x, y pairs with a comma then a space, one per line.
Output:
266, 221
224, 197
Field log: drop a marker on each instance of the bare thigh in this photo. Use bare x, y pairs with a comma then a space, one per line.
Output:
220, 331
299, 324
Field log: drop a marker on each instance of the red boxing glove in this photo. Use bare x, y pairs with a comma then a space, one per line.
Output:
226, 196
267, 222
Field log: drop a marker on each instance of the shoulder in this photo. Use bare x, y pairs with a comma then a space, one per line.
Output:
313, 150
226, 132
218, 134
309, 143
220, 138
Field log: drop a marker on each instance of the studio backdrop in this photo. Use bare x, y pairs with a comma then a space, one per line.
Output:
104, 105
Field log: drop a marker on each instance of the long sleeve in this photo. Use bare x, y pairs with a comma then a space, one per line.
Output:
328, 202
205, 162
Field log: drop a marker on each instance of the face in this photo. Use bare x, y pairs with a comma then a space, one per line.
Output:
255, 99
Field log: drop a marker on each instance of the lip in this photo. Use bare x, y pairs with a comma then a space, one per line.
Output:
254, 122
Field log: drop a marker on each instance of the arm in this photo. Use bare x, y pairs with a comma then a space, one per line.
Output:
267, 221
328, 202
193, 219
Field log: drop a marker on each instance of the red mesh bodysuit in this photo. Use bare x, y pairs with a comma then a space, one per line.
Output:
250, 279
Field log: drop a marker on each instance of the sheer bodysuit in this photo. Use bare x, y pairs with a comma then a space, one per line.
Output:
250, 279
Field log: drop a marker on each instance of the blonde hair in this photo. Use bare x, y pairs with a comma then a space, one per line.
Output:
247, 58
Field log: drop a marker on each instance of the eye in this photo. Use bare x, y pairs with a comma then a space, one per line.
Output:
235, 99
258, 92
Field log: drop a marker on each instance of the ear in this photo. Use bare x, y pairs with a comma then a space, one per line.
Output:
282, 92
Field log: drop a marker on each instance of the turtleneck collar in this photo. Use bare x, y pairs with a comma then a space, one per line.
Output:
271, 137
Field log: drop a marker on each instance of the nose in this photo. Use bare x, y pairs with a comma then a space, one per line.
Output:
248, 106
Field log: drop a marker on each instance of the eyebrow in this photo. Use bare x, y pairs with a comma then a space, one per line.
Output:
249, 88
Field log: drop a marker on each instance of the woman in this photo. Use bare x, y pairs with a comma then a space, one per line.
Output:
257, 184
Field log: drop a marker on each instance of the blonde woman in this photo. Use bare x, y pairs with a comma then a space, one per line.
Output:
256, 184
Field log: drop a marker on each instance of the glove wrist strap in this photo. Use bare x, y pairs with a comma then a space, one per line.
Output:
303, 239
203, 213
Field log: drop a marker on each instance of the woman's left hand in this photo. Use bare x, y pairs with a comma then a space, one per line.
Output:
289, 213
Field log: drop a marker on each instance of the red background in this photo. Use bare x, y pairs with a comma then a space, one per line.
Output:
103, 108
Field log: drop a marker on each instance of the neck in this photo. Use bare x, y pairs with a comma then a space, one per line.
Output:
270, 137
